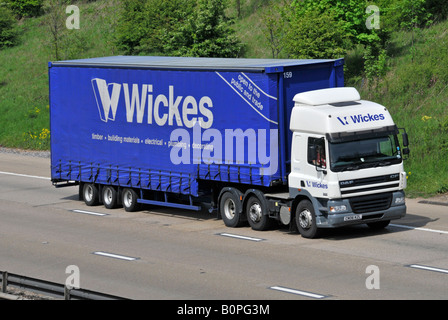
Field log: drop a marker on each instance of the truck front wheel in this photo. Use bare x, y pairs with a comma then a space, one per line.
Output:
129, 200
306, 219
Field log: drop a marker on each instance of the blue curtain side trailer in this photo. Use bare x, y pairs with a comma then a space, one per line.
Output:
170, 131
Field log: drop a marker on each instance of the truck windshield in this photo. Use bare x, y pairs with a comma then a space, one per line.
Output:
364, 153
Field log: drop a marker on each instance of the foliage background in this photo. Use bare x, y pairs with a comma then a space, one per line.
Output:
403, 65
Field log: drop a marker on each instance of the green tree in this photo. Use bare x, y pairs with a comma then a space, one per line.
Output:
130, 29
413, 14
26, 8
145, 27
276, 25
316, 33
208, 33
438, 9
351, 14
8, 27
176, 27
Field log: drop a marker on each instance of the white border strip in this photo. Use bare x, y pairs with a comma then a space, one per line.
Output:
246, 100
417, 228
298, 292
23, 175
90, 213
258, 87
240, 237
416, 266
115, 256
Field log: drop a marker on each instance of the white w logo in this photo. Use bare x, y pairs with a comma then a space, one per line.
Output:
109, 102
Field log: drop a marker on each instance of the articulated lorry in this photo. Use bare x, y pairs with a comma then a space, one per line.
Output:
256, 140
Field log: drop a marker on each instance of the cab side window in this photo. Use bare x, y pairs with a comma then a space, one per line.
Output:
316, 152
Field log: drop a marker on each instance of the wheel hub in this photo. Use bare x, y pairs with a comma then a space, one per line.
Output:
255, 212
89, 193
108, 196
229, 209
128, 199
305, 219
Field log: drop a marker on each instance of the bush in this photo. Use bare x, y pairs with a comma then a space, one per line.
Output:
315, 34
207, 33
8, 27
26, 8
176, 27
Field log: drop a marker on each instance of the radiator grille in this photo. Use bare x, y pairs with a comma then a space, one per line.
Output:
371, 203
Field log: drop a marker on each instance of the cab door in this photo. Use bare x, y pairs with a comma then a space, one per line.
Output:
309, 164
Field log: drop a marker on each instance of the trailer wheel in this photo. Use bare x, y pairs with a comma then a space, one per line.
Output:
256, 214
306, 219
229, 207
129, 200
90, 194
109, 197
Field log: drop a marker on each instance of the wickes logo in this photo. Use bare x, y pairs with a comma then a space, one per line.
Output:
361, 118
143, 106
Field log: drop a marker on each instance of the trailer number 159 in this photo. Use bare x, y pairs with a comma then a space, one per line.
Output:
287, 75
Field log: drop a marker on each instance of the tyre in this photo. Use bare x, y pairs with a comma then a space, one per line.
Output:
378, 225
90, 194
129, 200
109, 197
306, 219
230, 209
256, 212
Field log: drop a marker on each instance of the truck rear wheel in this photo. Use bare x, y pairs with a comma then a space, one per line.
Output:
306, 219
229, 207
256, 214
109, 197
90, 194
129, 200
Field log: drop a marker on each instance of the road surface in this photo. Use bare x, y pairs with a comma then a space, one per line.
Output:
160, 253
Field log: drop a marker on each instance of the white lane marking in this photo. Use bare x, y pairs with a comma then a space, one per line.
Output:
90, 213
417, 228
298, 292
115, 256
23, 175
416, 266
240, 237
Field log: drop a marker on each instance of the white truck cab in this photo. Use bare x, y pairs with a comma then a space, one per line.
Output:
346, 162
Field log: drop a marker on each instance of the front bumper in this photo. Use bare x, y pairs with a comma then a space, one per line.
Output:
353, 216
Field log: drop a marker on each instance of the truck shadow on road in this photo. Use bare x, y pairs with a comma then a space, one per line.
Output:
409, 223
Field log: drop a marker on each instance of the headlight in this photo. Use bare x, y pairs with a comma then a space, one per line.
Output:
336, 209
400, 200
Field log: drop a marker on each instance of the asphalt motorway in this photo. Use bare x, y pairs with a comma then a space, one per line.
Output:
171, 254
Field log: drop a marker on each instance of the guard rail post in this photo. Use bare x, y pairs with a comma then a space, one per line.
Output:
4, 281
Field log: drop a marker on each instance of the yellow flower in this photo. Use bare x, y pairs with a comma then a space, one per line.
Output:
426, 118
44, 134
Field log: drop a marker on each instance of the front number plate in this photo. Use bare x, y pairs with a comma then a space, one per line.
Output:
353, 217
